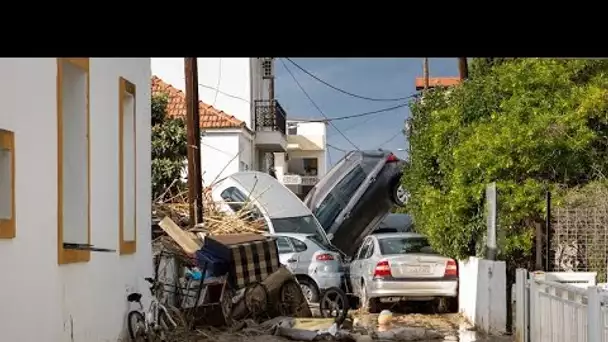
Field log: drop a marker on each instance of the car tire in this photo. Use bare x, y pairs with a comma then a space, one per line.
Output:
399, 194
309, 290
371, 305
447, 305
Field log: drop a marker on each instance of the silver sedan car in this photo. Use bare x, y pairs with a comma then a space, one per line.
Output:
394, 267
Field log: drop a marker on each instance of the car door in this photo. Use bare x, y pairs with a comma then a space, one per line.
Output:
352, 270
348, 186
368, 261
303, 254
327, 212
287, 254
356, 268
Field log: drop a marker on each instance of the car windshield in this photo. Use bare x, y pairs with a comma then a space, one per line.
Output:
302, 224
404, 245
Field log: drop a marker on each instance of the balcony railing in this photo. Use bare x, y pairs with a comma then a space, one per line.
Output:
269, 116
291, 179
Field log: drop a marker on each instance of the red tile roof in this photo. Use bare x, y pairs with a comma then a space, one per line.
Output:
210, 117
437, 82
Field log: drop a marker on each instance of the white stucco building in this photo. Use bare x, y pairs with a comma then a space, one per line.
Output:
226, 142
304, 163
74, 172
249, 128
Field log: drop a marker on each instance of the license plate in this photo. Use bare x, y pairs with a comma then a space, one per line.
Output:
418, 269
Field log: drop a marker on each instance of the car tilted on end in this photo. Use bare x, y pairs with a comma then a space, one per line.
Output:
356, 195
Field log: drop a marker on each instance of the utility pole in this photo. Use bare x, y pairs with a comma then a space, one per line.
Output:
425, 72
463, 68
195, 191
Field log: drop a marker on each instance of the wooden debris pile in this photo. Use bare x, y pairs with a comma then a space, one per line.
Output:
215, 220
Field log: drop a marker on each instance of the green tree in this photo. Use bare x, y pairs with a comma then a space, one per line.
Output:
530, 125
168, 147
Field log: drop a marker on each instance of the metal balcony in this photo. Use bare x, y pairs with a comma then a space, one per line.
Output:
270, 126
269, 116
295, 179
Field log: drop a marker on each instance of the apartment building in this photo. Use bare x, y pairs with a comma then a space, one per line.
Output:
305, 161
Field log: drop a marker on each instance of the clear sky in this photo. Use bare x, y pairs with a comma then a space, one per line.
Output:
371, 77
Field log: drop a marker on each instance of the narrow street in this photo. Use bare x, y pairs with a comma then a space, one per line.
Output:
452, 325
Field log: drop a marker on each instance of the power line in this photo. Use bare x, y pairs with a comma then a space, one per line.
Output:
357, 124
315, 104
346, 117
219, 81
391, 138
217, 149
223, 93
336, 148
344, 91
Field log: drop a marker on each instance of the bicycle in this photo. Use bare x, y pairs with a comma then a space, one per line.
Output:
152, 323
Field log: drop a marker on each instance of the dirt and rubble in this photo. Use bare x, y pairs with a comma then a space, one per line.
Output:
183, 243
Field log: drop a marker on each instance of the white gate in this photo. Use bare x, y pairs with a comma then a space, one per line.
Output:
550, 311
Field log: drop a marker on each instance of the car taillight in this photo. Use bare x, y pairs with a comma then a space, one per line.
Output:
383, 269
325, 257
451, 269
391, 158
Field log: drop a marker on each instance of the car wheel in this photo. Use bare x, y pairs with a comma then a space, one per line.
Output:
309, 290
368, 304
447, 305
400, 195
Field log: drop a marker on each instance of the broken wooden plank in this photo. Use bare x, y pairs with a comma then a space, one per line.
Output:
181, 237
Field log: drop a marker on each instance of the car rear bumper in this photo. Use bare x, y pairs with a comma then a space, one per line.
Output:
396, 288
326, 280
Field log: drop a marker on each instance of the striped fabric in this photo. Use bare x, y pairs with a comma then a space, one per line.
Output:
254, 261
250, 257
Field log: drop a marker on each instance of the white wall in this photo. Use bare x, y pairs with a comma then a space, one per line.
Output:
231, 76
246, 156
280, 166
482, 293
313, 131
41, 300
220, 154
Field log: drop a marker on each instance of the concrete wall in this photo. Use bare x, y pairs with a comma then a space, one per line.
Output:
313, 131
86, 301
220, 153
482, 294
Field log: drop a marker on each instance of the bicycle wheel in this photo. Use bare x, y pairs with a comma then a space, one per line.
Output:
137, 326
256, 298
334, 303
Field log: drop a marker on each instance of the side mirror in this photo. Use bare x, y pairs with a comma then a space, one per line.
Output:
330, 236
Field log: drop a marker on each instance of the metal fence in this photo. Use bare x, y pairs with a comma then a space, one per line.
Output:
579, 240
549, 311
